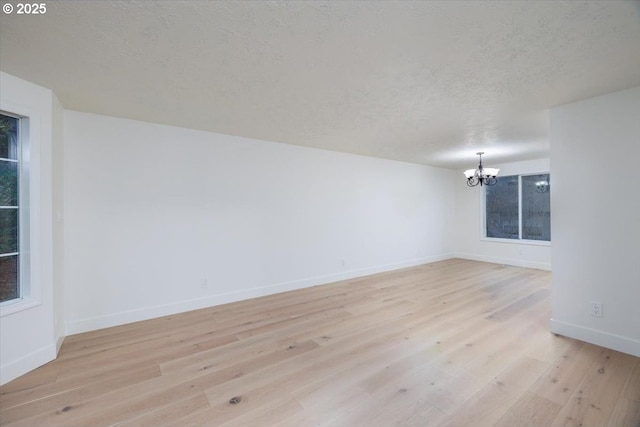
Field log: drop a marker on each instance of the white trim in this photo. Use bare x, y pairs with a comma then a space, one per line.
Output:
59, 343
30, 206
483, 216
603, 339
15, 305
21, 366
124, 317
517, 241
520, 208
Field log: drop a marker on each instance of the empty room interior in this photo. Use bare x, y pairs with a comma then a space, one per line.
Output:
320, 213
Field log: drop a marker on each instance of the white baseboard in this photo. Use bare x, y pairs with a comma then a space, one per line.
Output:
145, 313
593, 336
506, 261
21, 366
59, 342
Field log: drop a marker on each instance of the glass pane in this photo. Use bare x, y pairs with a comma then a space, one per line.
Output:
536, 207
8, 278
8, 183
502, 208
8, 137
8, 231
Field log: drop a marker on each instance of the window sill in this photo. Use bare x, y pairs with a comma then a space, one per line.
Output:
517, 241
15, 306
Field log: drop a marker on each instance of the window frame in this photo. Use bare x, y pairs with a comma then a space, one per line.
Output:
22, 187
519, 240
30, 293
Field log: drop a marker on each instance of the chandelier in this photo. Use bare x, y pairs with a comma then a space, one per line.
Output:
482, 176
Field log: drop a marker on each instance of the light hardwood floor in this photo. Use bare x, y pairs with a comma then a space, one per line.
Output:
454, 343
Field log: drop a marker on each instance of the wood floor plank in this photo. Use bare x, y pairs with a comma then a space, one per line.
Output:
107, 411
513, 344
522, 373
170, 414
451, 343
546, 346
626, 413
484, 408
398, 402
564, 376
596, 396
632, 388
266, 415
448, 393
530, 410
58, 407
511, 310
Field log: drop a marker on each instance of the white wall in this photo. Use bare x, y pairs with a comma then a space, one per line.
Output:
27, 333
595, 150
153, 210
469, 226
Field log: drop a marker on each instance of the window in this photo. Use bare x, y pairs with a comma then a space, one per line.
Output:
10, 223
518, 207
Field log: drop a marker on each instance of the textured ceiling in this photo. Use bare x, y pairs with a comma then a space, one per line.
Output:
424, 82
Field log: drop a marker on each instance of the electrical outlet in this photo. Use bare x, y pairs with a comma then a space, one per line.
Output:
596, 309
204, 284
